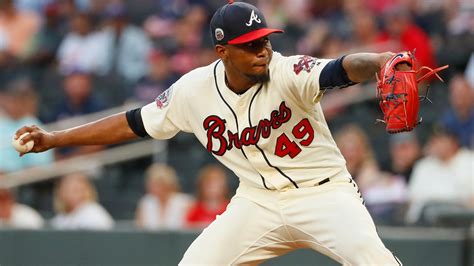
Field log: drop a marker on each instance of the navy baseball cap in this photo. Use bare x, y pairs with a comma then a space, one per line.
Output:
237, 23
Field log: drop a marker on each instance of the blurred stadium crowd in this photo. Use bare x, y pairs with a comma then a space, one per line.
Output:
66, 58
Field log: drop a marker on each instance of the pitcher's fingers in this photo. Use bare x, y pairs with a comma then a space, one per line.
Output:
34, 136
23, 130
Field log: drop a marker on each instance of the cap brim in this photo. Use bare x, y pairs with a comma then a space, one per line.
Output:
253, 35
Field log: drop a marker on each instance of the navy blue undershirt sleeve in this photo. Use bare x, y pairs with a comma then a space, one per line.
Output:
135, 122
334, 76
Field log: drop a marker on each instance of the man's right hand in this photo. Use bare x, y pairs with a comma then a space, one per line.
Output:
43, 140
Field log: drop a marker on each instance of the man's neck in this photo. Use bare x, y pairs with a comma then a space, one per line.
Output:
239, 87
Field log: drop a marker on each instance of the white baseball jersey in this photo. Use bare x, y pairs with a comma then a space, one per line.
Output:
273, 136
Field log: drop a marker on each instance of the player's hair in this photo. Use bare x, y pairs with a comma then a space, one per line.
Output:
91, 192
163, 173
203, 175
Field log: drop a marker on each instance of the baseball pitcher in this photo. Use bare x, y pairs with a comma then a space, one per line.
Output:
258, 113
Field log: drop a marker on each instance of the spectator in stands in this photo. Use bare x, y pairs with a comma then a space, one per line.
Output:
459, 18
82, 48
160, 77
405, 151
80, 95
456, 41
360, 160
444, 176
75, 201
163, 207
16, 215
80, 100
365, 32
17, 29
407, 36
312, 41
459, 119
212, 197
188, 38
383, 192
126, 46
19, 106
47, 40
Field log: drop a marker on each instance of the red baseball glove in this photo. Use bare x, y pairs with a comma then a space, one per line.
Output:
398, 92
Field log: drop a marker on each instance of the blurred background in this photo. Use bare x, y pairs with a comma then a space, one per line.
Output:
68, 62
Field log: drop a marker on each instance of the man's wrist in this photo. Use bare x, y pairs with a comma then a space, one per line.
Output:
56, 139
384, 57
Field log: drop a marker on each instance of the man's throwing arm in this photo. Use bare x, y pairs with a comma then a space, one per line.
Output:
110, 130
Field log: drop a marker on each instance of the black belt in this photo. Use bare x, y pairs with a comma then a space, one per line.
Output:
324, 181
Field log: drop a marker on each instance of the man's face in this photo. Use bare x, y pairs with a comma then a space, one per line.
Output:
461, 94
442, 146
73, 191
78, 87
404, 154
250, 59
214, 185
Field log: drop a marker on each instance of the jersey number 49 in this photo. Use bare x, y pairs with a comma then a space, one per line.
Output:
303, 131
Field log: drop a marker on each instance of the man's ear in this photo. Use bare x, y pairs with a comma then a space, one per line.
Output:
221, 51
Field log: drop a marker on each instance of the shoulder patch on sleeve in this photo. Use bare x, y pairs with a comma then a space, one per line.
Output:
164, 98
305, 63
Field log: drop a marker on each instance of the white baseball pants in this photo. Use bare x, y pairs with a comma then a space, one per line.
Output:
260, 224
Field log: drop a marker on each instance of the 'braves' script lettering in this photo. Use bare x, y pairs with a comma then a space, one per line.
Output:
215, 127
